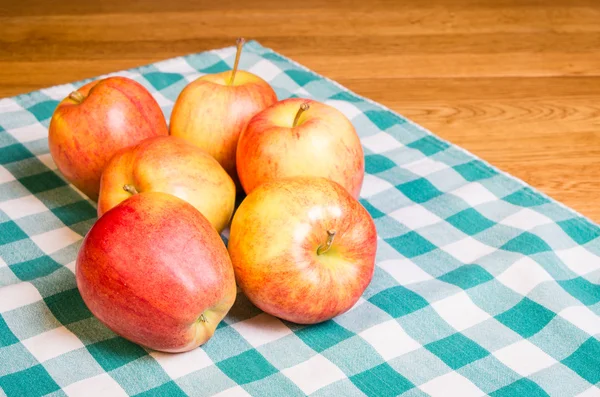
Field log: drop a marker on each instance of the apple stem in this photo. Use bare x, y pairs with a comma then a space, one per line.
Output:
303, 108
324, 248
76, 96
203, 318
239, 43
130, 189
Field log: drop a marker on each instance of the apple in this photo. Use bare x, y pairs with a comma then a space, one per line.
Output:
170, 165
155, 271
300, 137
303, 249
212, 111
91, 124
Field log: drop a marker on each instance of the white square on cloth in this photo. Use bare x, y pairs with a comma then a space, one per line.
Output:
380, 142
181, 364
524, 275
526, 219
405, 271
314, 373
459, 311
5, 176
425, 166
583, 318
591, 392
452, 381
373, 185
349, 110
266, 70
53, 343
579, 259
48, 161
474, 194
261, 329
29, 133
415, 216
236, 391
524, 357
18, 295
55, 240
468, 249
390, 340
99, 386
22, 206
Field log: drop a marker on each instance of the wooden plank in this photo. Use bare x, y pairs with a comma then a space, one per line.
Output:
575, 44
405, 90
306, 22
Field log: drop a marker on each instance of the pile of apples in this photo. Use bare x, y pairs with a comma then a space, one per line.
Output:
153, 268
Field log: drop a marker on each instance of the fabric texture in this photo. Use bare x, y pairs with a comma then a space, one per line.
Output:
482, 286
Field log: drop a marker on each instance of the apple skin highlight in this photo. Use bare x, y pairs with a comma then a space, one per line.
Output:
90, 125
277, 247
212, 111
320, 142
155, 271
170, 165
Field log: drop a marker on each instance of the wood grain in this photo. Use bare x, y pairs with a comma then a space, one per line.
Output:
517, 82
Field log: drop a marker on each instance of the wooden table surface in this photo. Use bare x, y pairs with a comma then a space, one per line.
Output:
517, 82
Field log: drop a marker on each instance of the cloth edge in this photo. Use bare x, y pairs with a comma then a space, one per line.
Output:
255, 45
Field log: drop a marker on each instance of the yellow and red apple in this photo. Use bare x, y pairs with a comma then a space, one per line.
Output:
90, 125
155, 271
213, 110
300, 137
303, 249
170, 165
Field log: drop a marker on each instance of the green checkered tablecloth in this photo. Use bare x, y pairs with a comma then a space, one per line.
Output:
482, 285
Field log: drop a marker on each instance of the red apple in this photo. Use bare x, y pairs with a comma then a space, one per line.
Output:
155, 271
90, 125
213, 110
302, 249
300, 137
171, 165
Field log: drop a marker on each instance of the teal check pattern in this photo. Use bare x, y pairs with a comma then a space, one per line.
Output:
482, 286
